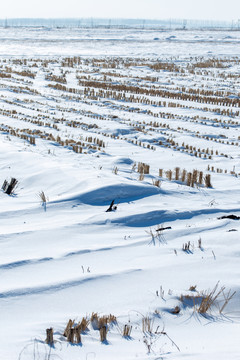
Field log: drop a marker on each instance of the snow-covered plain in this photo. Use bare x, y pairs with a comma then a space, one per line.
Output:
72, 258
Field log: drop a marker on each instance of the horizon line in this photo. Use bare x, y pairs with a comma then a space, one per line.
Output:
118, 18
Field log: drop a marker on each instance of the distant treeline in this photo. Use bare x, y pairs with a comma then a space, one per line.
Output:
121, 23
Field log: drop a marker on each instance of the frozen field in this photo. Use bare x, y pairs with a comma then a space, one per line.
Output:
149, 119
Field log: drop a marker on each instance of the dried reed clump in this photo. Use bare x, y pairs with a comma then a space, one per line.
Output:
99, 321
194, 178
200, 243
73, 333
68, 327
94, 320
177, 173
43, 199
49, 338
147, 324
189, 179
83, 325
103, 333
176, 310
183, 176
169, 175
205, 301
186, 246
200, 179
192, 288
115, 170
143, 168
157, 183
127, 330
208, 181
9, 187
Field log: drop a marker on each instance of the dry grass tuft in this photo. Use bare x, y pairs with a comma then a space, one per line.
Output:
127, 330
73, 334
192, 288
83, 325
176, 310
115, 170
205, 301
43, 199
147, 324
143, 168
99, 321
157, 183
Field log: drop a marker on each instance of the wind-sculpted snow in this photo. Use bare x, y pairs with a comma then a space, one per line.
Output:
119, 192
52, 288
153, 218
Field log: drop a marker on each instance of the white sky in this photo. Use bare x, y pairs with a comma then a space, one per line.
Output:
148, 9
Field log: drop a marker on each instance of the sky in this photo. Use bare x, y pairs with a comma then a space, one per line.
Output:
140, 9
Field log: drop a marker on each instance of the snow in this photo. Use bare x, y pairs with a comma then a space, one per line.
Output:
72, 258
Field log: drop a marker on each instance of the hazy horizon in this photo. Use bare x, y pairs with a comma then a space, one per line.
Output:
127, 9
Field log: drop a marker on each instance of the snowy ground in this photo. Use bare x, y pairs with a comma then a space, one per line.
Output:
77, 129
